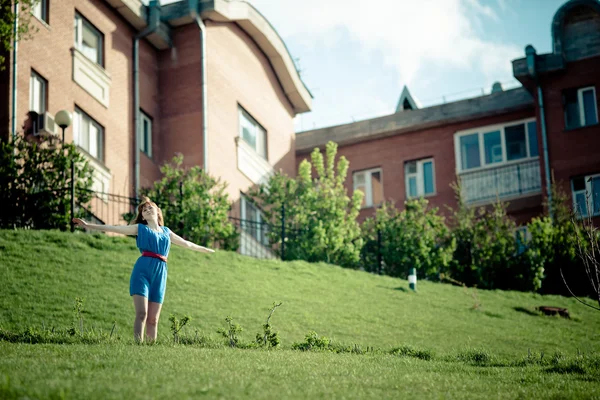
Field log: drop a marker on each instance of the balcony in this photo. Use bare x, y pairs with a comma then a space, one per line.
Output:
503, 182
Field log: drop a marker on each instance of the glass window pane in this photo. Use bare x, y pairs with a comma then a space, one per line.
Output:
428, 177
578, 184
572, 119
261, 143
581, 206
515, 142
93, 150
469, 151
493, 147
589, 107
533, 143
84, 134
362, 189
376, 187
596, 194
412, 186
76, 127
411, 167
359, 178
36, 9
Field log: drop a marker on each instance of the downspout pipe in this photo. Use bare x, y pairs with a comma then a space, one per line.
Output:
193, 7
530, 54
153, 25
14, 72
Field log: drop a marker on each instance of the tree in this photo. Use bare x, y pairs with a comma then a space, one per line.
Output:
319, 217
416, 237
195, 203
7, 21
35, 181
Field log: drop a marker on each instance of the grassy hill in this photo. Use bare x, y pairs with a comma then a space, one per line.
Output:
43, 272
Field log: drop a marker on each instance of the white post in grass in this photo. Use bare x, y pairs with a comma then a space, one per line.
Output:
412, 279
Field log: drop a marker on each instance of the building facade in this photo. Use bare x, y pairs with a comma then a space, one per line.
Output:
497, 146
211, 80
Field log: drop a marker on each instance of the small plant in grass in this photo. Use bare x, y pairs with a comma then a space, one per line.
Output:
312, 341
177, 325
231, 333
475, 356
269, 338
77, 316
407, 351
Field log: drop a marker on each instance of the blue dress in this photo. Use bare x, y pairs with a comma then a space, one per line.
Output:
149, 275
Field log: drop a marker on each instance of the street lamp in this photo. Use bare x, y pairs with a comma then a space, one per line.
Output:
63, 119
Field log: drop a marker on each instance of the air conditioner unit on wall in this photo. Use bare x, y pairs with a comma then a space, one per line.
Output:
45, 125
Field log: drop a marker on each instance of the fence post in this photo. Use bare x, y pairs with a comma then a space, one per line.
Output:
379, 262
283, 231
72, 195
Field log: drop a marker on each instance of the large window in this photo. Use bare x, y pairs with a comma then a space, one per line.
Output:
586, 195
495, 145
253, 222
88, 134
88, 40
40, 10
581, 108
420, 178
370, 182
145, 134
253, 134
37, 93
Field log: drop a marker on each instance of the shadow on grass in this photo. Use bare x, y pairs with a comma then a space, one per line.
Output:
399, 288
527, 311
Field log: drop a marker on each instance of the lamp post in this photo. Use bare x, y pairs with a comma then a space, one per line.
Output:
63, 119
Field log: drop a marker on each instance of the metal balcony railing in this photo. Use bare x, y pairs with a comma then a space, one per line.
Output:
512, 180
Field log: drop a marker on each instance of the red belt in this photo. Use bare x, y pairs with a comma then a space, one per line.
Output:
154, 255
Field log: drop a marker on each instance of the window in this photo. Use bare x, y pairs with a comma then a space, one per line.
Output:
253, 134
580, 107
495, 145
586, 195
37, 93
88, 40
522, 238
420, 179
369, 182
88, 134
145, 134
40, 10
253, 222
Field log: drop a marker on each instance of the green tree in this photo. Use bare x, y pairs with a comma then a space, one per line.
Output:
25, 28
416, 237
320, 218
35, 179
195, 204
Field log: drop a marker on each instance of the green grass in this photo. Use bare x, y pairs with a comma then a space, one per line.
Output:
444, 348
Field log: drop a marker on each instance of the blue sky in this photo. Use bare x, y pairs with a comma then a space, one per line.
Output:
355, 56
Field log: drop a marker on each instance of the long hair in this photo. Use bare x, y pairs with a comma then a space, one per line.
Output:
140, 220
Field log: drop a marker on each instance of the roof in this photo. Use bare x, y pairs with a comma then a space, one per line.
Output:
239, 12
409, 121
406, 97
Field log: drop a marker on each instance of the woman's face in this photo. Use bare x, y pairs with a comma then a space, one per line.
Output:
149, 212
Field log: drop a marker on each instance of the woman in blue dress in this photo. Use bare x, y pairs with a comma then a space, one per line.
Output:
149, 276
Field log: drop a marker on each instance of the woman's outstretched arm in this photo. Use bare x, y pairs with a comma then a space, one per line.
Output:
131, 230
179, 241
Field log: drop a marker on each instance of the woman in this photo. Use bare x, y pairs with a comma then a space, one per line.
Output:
149, 276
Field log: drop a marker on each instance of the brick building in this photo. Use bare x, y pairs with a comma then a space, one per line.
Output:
499, 145
210, 79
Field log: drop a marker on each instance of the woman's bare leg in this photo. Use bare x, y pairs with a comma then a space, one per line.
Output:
152, 321
141, 312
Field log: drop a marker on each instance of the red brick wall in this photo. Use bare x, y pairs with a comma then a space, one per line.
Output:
391, 153
576, 151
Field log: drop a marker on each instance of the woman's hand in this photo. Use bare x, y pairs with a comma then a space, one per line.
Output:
80, 222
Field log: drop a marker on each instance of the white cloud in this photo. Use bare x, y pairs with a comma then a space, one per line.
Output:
412, 35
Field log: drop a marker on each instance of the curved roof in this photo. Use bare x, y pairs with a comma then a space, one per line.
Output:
557, 21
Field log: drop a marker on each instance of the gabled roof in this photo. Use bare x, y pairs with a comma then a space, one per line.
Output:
424, 118
406, 101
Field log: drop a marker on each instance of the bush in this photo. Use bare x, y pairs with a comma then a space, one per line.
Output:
414, 238
195, 204
320, 218
35, 177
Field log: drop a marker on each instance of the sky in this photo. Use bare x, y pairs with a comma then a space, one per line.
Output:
356, 56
